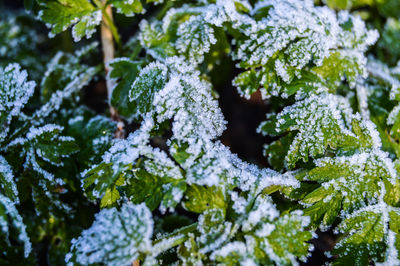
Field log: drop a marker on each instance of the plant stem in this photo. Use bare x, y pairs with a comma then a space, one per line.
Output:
108, 33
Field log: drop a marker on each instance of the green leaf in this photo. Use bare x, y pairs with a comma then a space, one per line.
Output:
388, 8
12, 226
61, 14
201, 198
49, 145
277, 150
155, 40
264, 240
110, 197
389, 40
339, 4
214, 230
285, 55
43, 149
28, 4
364, 239
20, 40
156, 191
151, 79
103, 178
338, 67
247, 82
96, 137
285, 247
124, 71
319, 122
15, 92
65, 70
347, 183
146, 188
324, 211
128, 8
7, 184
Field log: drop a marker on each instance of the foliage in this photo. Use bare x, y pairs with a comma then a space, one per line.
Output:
170, 191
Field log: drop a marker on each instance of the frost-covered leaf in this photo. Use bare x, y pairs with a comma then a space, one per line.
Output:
248, 82
340, 66
386, 78
320, 122
155, 180
125, 72
62, 14
189, 252
155, 189
15, 92
150, 80
211, 206
187, 98
155, 40
17, 38
366, 238
7, 184
370, 234
116, 237
214, 230
19, 42
12, 226
45, 146
292, 42
134, 170
127, 7
115, 167
49, 145
190, 32
65, 70
287, 249
347, 183
265, 237
195, 38
94, 136
102, 180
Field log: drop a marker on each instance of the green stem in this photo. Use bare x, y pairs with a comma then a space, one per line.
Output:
109, 22
113, 29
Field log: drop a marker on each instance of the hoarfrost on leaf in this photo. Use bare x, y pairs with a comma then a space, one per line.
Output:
116, 237
11, 220
15, 92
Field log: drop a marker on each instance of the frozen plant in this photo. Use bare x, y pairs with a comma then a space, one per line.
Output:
112, 151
